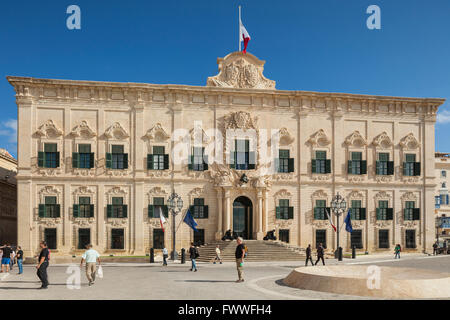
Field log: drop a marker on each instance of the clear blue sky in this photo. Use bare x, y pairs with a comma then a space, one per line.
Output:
320, 45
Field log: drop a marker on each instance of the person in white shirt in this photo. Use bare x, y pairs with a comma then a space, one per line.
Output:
165, 256
91, 257
218, 255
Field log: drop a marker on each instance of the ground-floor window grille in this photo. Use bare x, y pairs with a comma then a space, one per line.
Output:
284, 235
356, 239
383, 239
321, 238
117, 239
410, 239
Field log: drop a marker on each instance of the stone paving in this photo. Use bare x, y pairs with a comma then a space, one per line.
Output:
152, 281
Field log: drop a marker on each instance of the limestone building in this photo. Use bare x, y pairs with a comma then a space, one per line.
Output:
442, 199
97, 160
8, 198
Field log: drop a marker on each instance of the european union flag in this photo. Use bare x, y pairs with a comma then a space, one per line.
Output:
189, 220
348, 222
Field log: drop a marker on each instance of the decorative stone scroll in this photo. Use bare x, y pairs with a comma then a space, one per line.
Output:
319, 139
83, 130
116, 131
49, 130
409, 142
356, 139
382, 141
157, 133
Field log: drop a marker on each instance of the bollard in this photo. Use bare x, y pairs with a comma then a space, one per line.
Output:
354, 252
339, 254
152, 255
183, 256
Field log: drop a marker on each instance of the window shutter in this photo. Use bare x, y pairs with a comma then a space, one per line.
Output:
291, 213
377, 167
390, 168
151, 211
363, 166
166, 161
108, 211
57, 211
192, 211
446, 199
41, 159
91, 160
417, 168
362, 213
205, 212
124, 210
313, 166
291, 165
278, 212
378, 214
232, 158
349, 167
191, 163
57, 160
165, 210
75, 159
251, 160
76, 210
125, 160
404, 214
390, 214
405, 173
205, 162
316, 213
108, 160
91, 210
42, 211
328, 166
416, 214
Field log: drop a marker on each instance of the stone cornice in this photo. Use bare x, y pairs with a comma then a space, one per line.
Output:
34, 89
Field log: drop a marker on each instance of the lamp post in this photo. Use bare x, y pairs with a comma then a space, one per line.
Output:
438, 225
175, 204
338, 205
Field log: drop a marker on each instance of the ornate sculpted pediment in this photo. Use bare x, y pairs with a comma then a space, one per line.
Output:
355, 194
83, 130
382, 141
116, 131
409, 196
319, 139
197, 134
319, 194
49, 130
238, 70
240, 120
356, 139
157, 133
285, 137
409, 142
383, 195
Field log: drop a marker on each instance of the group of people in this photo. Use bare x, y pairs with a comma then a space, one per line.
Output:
320, 253
10, 256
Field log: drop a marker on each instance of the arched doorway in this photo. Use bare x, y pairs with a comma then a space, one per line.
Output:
243, 217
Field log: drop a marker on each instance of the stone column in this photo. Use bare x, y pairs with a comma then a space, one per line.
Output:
219, 232
266, 210
227, 210
259, 233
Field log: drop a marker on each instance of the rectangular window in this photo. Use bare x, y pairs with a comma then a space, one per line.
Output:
158, 157
382, 209
284, 235
283, 210
50, 238
241, 158
382, 164
51, 155
158, 239
356, 165
321, 238
443, 174
319, 210
119, 160
51, 207
84, 207
117, 239
410, 166
199, 237
409, 210
117, 208
283, 161
383, 239
357, 213
356, 239
84, 238
84, 151
199, 210
410, 239
198, 161
321, 157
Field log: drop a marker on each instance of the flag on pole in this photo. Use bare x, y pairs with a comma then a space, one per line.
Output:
331, 221
348, 222
162, 219
243, 35
189, 220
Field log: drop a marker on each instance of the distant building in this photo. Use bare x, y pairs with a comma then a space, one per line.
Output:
442, 198
8, 198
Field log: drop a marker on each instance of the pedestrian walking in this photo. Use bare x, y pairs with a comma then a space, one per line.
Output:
12, 260
91, 257
165, 256
308, 255
240, 255
397, 251
6, 257
320, 254
43, 265
193, 255
435, 246
19, 258
218, 257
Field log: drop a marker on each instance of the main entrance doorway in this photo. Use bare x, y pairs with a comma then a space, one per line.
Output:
243, 217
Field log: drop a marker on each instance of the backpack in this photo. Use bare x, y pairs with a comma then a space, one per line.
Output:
246, 251
196, 253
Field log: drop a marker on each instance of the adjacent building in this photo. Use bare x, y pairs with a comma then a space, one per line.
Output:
98, 161
8, 198
442, 201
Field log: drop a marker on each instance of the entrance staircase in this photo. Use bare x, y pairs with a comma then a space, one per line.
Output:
258, 250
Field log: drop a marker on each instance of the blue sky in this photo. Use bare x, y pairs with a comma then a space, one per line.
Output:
321, 45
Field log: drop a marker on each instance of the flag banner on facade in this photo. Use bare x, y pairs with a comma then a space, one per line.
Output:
189, 220
348, 222
162, 219
329, 219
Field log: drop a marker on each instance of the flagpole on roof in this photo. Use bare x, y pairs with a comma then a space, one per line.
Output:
239, 28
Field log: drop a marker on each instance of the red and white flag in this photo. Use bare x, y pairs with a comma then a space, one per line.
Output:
331, 221
162, 219
243, 35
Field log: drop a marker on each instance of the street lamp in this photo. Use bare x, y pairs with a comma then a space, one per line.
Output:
338, 205
175, 204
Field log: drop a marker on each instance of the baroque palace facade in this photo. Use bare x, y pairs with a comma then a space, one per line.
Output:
95, 162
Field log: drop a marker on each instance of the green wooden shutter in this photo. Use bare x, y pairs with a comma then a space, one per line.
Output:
42, 211
328, 166
291, 165
291, 213
390, 168
251, 160
404, 214
363, 166
278, 212
191, 162
125, 210
349, 167
76, 210
41, 159
57, 159
108, 160
378, 214
109, 211
149, 161
417, 168
377, 167
313, 166
125, 160
192, 211
316, 213
166, 161
91, 210
57, 210
232, 160
151, 211
91, 160
205, 212
165, 210
205, 162
416, 214
362, 213
75, 159
389, 214
405, 173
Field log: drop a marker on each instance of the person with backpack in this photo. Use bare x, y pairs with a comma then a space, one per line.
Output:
240, 255
397, 251
193, 254
42, 265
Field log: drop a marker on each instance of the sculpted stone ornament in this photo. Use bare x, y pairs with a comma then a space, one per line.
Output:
238, 70
240, 120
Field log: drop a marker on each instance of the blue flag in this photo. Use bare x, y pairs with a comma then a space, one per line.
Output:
348, 222
189, 220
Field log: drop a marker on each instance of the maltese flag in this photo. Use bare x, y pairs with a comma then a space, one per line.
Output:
331, 221
243, 36
162, 219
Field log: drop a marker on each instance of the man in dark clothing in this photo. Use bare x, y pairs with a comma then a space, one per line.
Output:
43, 264
239, 255
6, 258
19, 258
435, 246
320, 254
193, 254
308, 255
